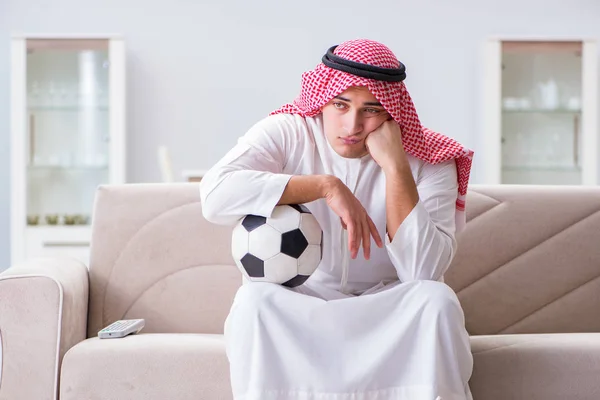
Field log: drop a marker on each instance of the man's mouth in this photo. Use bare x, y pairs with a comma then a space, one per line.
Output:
350, 140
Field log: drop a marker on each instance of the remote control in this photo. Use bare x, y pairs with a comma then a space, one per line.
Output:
121, 328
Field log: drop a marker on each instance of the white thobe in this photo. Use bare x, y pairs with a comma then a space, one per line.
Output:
378, 329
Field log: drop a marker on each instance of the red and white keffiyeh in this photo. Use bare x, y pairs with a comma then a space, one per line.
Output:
323, 83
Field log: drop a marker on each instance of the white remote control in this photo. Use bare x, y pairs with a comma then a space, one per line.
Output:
121, 328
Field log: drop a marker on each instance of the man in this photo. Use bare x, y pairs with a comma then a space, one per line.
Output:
373, 321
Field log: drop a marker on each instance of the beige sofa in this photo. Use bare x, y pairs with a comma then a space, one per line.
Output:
526, 274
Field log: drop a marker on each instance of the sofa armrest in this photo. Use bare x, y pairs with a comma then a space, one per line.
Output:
43, 313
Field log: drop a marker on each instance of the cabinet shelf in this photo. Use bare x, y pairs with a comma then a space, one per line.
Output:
67, 108
67, 168
551, 111
59, 228
541, 168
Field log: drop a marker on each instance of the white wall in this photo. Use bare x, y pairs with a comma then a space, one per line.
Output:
200, 73
4, 139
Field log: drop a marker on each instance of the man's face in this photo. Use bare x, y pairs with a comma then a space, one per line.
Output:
349, 118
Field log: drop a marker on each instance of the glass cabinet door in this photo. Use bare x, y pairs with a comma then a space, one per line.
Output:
67, 138
541, 112
68, 128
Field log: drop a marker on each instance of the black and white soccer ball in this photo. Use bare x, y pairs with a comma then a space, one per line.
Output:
285, 248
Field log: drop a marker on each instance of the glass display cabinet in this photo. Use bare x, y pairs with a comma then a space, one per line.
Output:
541, 107
67, 138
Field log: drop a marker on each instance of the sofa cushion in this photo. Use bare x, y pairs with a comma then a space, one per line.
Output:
148, 367
536, 366
194, 366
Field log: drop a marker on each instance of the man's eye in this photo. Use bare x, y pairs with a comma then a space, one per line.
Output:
339, 105
373, 110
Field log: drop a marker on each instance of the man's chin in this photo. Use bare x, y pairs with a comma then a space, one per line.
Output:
351, 153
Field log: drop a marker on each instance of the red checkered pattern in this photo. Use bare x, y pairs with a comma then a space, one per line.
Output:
322, 84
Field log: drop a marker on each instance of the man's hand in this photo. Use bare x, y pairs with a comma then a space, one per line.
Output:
354, 218
385, 146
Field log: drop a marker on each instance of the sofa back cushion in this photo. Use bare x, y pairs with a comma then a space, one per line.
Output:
154, 256
529, 260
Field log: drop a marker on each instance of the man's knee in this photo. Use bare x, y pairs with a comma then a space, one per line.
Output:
248, 303
252, 296
437, 297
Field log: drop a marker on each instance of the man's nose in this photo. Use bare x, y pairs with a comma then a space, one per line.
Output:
353, 124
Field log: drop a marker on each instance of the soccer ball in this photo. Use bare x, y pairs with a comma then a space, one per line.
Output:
285, 248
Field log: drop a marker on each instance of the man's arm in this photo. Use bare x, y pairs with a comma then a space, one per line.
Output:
423, 245
306, 188
420, 216
250, 178
401, 194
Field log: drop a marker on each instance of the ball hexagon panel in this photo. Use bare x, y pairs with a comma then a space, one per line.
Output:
293, 243
284, 219
280, 268
255, 267
251, 222
309, 260
310, 228
264, 242
239, 242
